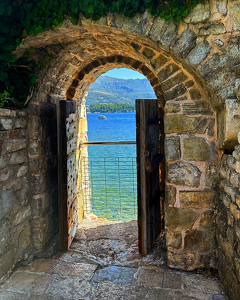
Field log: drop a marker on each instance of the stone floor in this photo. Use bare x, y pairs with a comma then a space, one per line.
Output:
103, 263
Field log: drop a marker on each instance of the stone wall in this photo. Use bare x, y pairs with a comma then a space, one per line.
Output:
191, 177
43, 174
192, 66
16, 241
228, 223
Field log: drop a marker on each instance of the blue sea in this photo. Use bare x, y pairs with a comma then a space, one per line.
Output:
113, 167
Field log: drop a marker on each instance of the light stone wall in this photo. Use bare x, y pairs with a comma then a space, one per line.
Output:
228, 223
16, 241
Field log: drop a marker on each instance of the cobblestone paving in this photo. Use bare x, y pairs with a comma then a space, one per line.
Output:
89, 271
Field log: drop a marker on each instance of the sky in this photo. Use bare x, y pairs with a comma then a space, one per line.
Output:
124, 73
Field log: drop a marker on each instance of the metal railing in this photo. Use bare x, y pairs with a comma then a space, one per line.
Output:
110, 187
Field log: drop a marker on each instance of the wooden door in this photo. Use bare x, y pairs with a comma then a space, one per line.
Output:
67, 172
150, 171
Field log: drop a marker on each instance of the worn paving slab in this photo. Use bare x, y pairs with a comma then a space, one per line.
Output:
28, 282
122, 274
115, 274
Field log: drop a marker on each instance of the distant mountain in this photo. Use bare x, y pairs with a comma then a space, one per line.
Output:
114, 90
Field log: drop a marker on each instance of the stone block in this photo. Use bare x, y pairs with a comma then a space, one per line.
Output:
226, 200
207, 219
199, 240
22, 113
41, 203
23, 195
178, 218
8, 261
6, 175
22, 171
228, 189
198, 14
230, 236
21, 123
185, 124
196, 199
13, 184
183, 260
222, 6
170, 108
222, 226
3, 162
235, 211
22, 215
198, 149
159, 61
39, 184
234, 179
183, 173
197, 108
237, 231
4, 112
212, 29
169, 34
175, 92
170, 83
169, 70
230, 219
6, 124
237, 88
8, 199
213, 63
34, 127
4, 236
170, 194
198, 54
237, 267
237, 168
36, 147
230, 123
18, 157
13, 145
148, 52
224, 172
195, 94
185, 43
237, 199
157, 29
212, 176
235, 11
173, 239
228, 277
172, 147
227, 249
189, 83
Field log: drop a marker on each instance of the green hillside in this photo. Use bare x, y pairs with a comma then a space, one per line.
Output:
117, 91
109, 108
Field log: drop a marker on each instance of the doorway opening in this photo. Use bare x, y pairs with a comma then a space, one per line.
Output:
109, 172
109, 180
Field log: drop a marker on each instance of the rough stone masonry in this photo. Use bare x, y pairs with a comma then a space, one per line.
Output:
194, 68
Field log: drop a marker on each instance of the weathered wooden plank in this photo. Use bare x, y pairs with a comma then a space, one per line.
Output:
148, 121
67, 173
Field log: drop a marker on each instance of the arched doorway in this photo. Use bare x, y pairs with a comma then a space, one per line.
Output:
190, 123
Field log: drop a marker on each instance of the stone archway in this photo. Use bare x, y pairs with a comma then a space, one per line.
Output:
193, 67
190, 127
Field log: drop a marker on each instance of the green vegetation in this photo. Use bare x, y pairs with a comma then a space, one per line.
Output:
110, 108
23, 17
